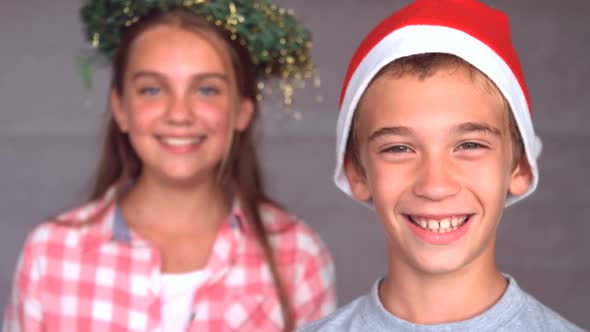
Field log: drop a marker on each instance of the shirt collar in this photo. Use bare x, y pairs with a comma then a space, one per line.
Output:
112, 225
509, 306
120, 232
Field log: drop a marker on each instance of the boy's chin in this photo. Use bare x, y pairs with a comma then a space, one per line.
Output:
440, 264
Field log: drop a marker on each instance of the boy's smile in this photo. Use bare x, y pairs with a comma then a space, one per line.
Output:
439, 229
436, 161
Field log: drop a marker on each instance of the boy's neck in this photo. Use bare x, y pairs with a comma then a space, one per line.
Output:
435, 299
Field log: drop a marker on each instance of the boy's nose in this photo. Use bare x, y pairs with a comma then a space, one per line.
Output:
436, 180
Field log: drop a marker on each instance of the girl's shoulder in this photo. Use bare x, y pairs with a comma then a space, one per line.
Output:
289, 231
278, 220
72, 227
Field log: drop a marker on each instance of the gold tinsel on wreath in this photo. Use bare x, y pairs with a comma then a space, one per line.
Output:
278, 44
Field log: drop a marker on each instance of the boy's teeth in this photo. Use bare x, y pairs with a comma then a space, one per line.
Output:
440, 226
423, 223
433, 225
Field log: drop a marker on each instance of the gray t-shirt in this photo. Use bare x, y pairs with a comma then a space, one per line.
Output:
515, 311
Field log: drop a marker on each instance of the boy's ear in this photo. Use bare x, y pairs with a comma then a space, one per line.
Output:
118, 112
521, 177
244, 115
357, 180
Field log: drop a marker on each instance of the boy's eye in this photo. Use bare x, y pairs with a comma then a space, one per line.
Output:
149, 90
470, 146
397, 149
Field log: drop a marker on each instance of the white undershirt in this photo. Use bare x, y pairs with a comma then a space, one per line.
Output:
177, 296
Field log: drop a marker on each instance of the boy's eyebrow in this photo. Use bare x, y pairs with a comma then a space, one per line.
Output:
156, 75
463, 128
391, 131
469, 127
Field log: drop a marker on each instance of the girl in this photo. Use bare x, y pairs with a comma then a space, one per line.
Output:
179, 234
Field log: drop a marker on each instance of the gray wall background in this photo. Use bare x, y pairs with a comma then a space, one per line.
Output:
49, 140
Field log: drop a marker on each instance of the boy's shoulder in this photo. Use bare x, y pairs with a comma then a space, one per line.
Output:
535, 316
516, 311
351, 317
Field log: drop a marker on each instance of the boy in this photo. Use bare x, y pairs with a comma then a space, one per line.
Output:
435, 134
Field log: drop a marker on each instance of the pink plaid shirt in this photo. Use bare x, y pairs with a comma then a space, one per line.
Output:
100, 276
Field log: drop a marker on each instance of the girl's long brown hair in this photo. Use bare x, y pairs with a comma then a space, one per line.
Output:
120, 164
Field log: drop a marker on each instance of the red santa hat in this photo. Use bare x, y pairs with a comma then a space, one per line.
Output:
465, 28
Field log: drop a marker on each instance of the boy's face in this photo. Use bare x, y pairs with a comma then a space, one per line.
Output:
437, 163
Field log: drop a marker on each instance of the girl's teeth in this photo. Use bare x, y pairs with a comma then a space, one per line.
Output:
180, 141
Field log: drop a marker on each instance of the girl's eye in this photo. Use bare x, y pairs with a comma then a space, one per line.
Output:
208, 90
470, 146
149, 91
397, 149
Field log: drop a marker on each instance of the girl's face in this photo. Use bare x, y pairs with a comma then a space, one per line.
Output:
179, 105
